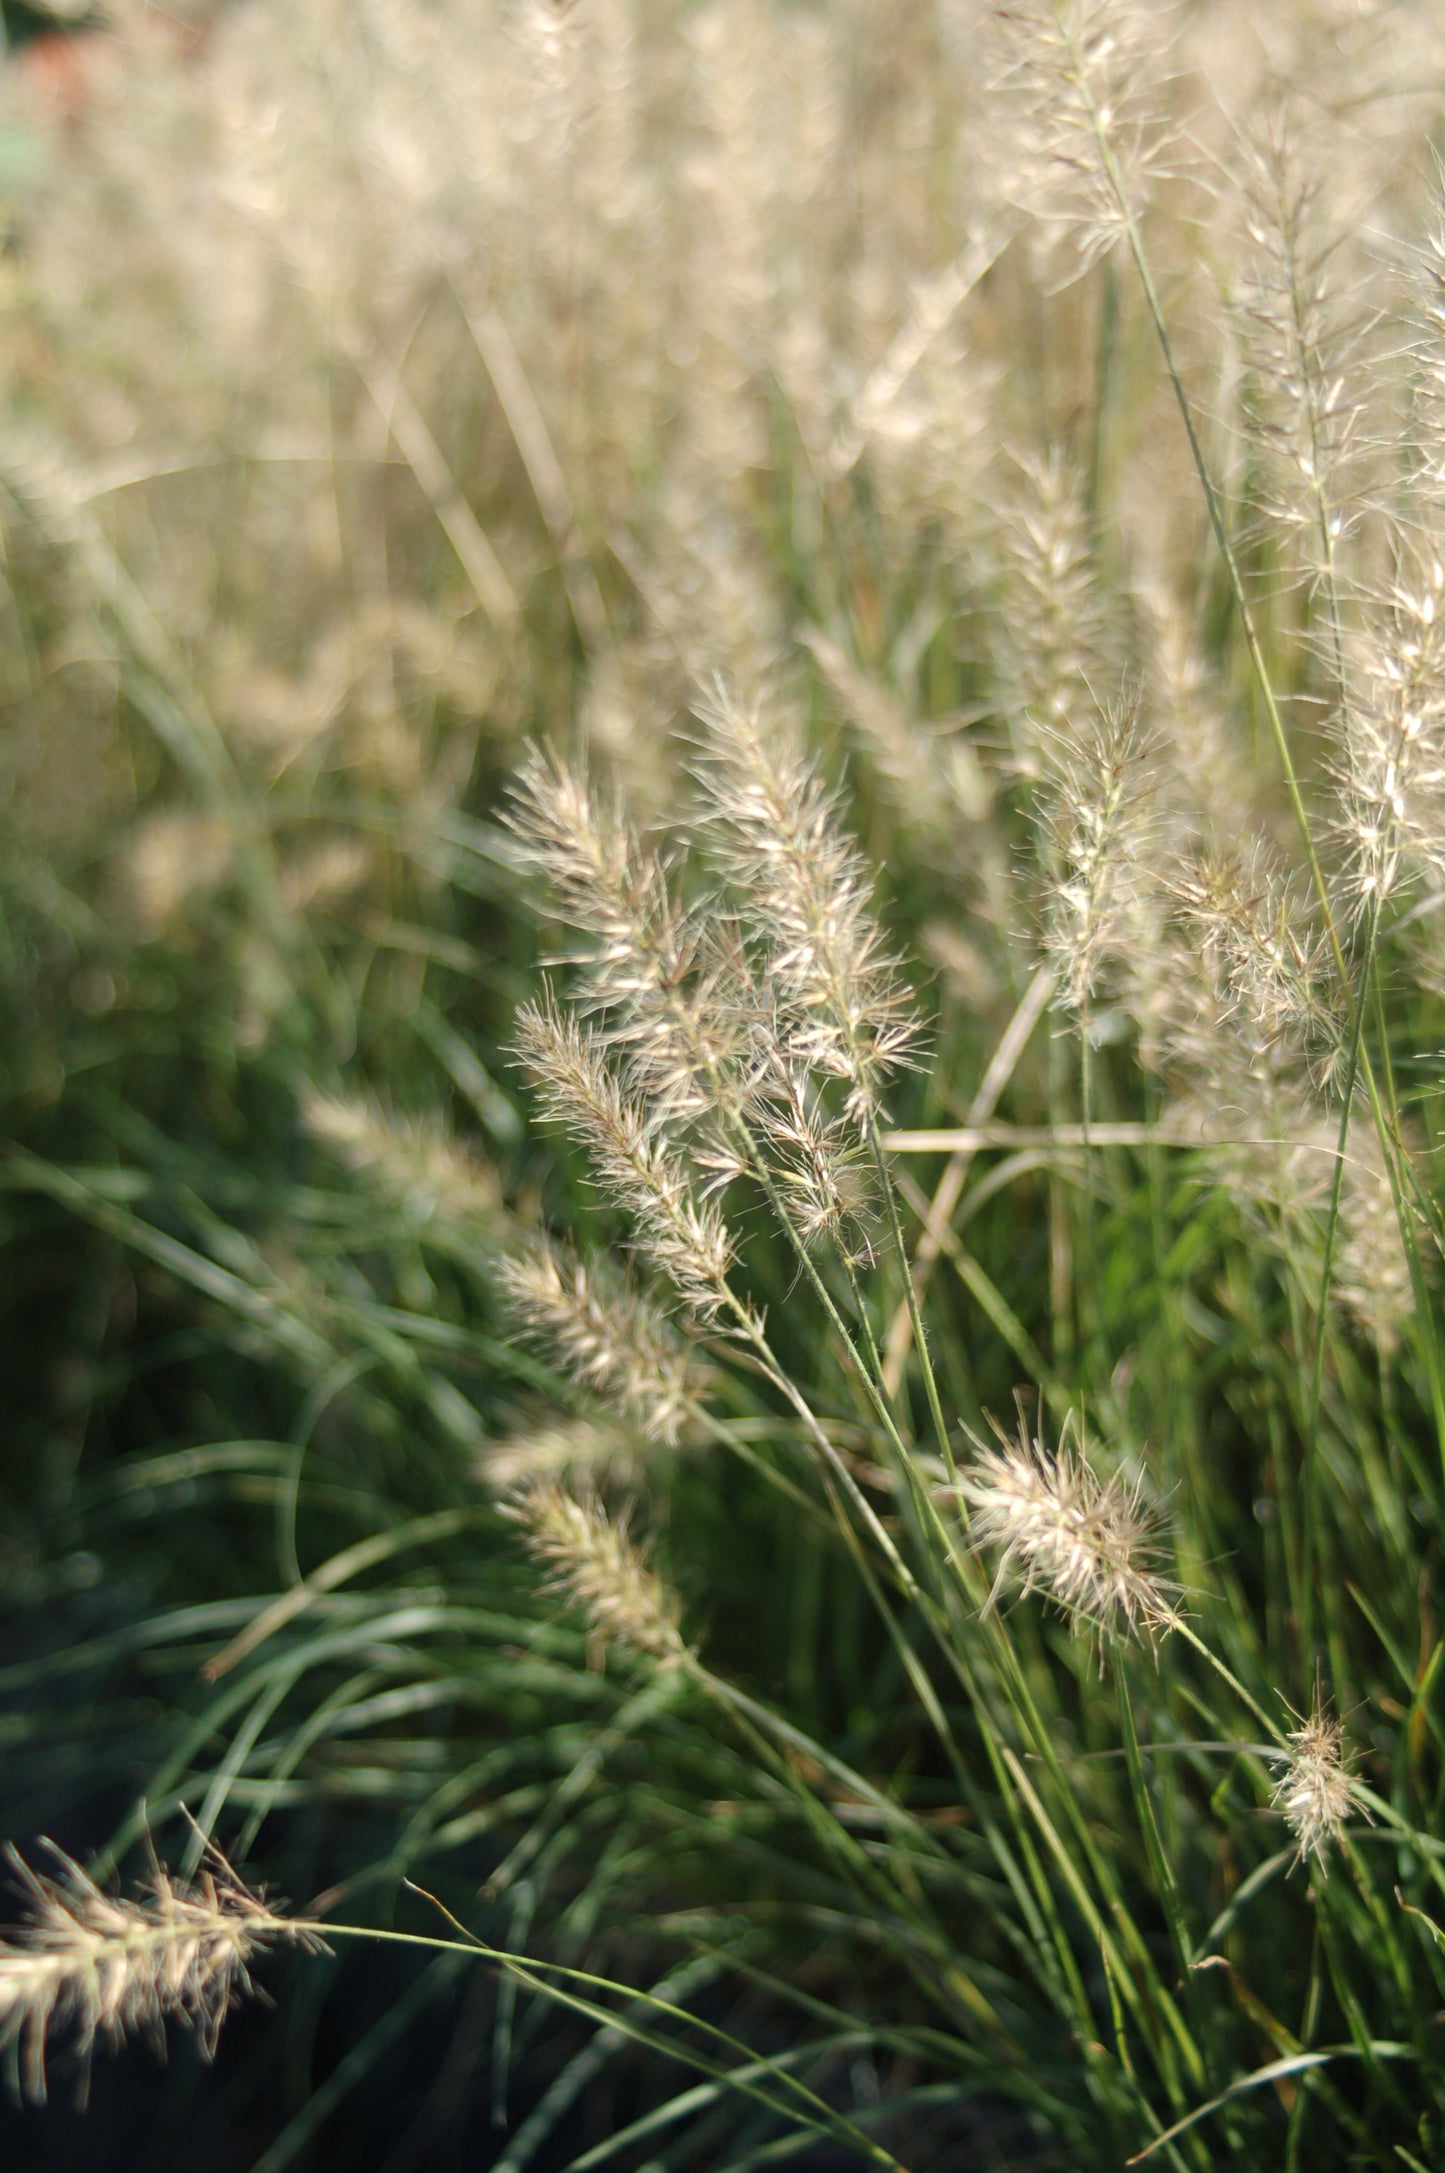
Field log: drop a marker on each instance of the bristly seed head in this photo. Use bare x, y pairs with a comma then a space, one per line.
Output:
1391, 769
96, 1964
1100, 815
1062, 1530
600, 1569
665, 982
804, 895
1313, 1795
608, 1335
631, 1153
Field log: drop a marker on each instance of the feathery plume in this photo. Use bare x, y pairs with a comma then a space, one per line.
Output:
580, 1450
1099, 811
1392, 766
935, 780
1302, 351
1090, 142
1211, 781
683, 1235
1371, 1271
669, 990
1313, 1794
1060, 1529
1050, 619
608, 1335
601, 1570
823, 1172
1266, 955
773, 825
94, 1964
1429, 348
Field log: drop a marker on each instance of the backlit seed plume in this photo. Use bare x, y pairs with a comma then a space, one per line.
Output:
1212, 779
1050, 621
88, 1964
631, 1154
1060, 1529
822, 1171
659, 976
1428, 420
1313, 1794
1392, 771
600, 1569
1265, 953
580, 1451
608, 1335
804, 893
1084, 78
1099, 812
936, 782
1300, 347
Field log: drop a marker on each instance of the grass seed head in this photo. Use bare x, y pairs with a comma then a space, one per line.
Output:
608, 1335
1313, 1793
657, 976
595, 1562
684, 1235
1060, 1529
805, 896
93, 1964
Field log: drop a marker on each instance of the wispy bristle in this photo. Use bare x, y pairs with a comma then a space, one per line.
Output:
92, 1964
1301, 348
412, 1160
1263, 943
1050, 621
684, 1235
579, 1451
1372, 1271
664, 984
823, 1173
607, 1335
1100, 815
1084, 77
1060, 1529
1392, 772
804, 893
1313, 1794
935, 779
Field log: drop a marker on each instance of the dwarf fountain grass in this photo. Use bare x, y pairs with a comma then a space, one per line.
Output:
1057, 1528
590, 1558
90, 1964
774, 505
608, 1336
1313, 1794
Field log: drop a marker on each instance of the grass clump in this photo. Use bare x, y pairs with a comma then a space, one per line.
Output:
724, 749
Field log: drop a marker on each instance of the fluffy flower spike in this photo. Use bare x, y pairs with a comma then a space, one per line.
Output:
1062, 1530
598, 1566
95, 1964
1313, 1794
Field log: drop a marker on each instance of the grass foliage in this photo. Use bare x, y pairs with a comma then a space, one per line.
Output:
722, 825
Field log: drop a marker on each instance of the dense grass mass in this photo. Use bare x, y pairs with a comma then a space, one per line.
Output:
722, 846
